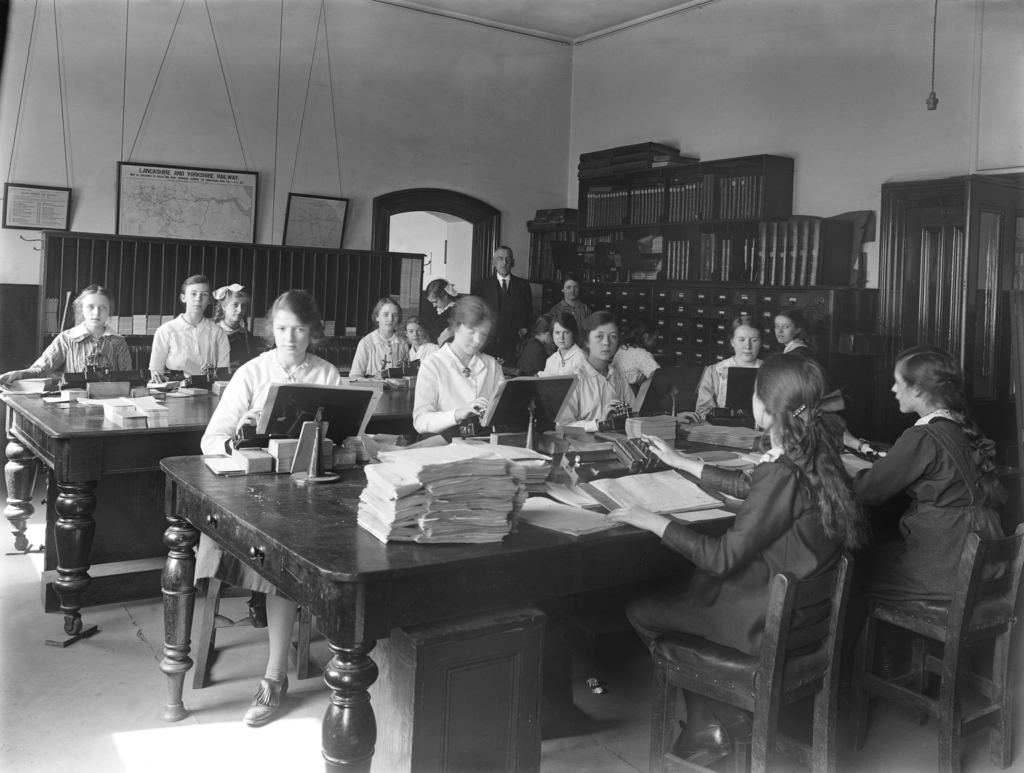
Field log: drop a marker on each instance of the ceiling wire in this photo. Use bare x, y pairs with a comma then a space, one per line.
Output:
21, 100
156, 81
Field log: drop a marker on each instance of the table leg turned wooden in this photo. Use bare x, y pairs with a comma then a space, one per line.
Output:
350, 727
178, 581
20, 476
72, 535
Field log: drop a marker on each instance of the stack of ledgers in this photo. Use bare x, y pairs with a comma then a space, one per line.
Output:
663, 427
455, 493
733, 437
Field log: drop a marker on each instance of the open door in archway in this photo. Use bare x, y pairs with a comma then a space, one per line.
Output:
486, 219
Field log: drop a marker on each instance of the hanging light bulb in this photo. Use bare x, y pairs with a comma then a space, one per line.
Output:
933, 101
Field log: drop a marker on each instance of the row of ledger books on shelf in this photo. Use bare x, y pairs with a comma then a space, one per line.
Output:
606, 206
707, 197
804, 251
645, 203
716, 260
691, 200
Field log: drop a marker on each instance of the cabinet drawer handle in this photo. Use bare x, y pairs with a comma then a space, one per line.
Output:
256, 553
211, 520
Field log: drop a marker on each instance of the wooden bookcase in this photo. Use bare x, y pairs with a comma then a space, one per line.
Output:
145, 276
542, 268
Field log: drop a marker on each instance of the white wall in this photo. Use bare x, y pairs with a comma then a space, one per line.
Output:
418, 101
839, 86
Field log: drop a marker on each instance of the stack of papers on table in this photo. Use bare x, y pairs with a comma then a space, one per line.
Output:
663, 427
455, 493
733, 437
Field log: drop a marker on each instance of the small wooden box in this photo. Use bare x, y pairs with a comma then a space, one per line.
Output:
460, 695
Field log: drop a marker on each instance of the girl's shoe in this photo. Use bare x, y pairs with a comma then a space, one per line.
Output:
268, 701
703, 746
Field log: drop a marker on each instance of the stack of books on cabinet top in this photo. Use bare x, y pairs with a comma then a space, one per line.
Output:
454, 493
630, 158
560, 216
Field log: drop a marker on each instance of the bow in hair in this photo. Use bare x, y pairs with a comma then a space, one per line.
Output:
450, 289
831, 403
221, 292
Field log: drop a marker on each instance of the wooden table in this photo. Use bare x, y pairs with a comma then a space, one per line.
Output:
90, 459
94, 461
306, 541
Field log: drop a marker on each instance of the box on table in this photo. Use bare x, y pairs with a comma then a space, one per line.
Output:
253, 460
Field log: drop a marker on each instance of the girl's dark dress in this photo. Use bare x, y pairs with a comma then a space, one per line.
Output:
937, 466
244, 347
776, 530
533, 359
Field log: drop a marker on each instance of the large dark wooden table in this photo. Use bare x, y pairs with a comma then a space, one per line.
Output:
100, 469
306, 541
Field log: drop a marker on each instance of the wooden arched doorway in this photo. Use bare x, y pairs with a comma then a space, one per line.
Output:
486, 219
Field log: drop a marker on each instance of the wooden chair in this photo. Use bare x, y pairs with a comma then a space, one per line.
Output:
797, 658
212, 620
981, 612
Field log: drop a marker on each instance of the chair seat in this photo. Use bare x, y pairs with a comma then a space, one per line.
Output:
729, 667
987, 612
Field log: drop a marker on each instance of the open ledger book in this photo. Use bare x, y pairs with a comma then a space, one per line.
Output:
660, 492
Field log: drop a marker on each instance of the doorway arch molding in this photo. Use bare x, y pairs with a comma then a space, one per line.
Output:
486, 219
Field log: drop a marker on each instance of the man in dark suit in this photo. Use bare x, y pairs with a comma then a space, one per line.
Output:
512, 301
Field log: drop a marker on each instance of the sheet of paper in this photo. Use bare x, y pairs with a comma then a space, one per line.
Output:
509, 452
855, 464
544, 512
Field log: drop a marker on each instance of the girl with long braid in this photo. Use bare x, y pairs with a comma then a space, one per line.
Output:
798, 516
944, 463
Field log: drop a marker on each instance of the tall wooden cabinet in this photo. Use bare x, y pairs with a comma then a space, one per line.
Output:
950, 252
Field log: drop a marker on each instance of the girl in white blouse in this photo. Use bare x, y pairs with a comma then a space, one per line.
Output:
713, 388
293, 326
458, 382
190, 342
634, 359
419, 341
568, 356
382, 348
601, 390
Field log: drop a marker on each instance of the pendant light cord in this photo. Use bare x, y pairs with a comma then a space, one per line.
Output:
935, 22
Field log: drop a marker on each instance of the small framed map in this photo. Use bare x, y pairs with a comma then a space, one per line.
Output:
314, 221
175, 202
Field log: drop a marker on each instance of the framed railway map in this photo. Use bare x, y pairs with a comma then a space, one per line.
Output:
314, 221
176, 202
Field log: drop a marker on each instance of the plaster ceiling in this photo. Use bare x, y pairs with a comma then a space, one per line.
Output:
568, 21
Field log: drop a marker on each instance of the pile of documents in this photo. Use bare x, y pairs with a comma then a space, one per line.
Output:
130, 412
534, 466
455, 493
663, 427
733, 437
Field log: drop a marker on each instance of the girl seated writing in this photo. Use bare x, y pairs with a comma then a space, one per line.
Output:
799, 515
456, 383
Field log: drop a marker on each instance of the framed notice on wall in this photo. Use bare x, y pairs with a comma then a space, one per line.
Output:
315, 221
177, 202
36, 207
